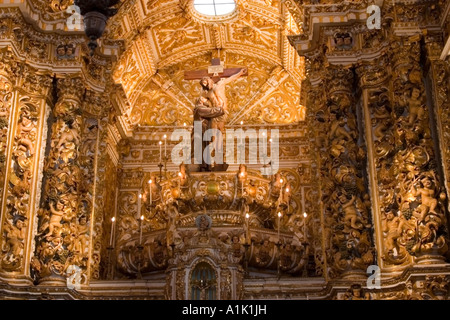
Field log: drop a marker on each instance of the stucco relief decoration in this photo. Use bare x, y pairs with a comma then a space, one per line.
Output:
177, 33
255, 30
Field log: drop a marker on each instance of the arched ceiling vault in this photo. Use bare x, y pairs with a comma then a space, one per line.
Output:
164, 38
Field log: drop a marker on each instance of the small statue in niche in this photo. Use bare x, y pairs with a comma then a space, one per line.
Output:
264, 253
236, 247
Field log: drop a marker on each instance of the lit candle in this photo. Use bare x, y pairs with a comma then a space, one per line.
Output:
288, 199
139, 204
150, 186
304, 226
242, 183
241, 146
247, 216
279, 219
165, 147
113, 219
140, 232
160, 151
281, 191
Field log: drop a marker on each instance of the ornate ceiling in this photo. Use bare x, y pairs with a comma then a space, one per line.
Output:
165, 38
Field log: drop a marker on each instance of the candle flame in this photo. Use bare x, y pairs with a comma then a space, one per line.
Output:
165, 136
160, 142
150, 181
247, 216
281, 180
142, 217
242, 122
287, 189
305, 214
279, 214
113, 219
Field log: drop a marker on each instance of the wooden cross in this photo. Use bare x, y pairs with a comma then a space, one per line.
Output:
215, 71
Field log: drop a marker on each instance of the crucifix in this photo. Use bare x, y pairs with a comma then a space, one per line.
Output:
211, 110
215, 71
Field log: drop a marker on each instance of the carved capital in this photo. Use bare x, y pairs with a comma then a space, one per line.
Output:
373, 73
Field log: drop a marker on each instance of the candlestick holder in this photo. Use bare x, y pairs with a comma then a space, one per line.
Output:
160, 165
166, 158
140, 248
172, 245
110, 266
305, 267
246, 258
278, 244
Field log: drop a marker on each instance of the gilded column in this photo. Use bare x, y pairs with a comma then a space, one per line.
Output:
59, 248
98, 196
415, 215
379, 117
439, 77
26, 109
346, 201
316, 115
6, 111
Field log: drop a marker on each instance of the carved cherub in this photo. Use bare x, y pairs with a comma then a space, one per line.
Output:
15, 234
81, 237
338, 131
55, 218
428, 198
381, 120
69, 136
392, 225
351, 216
415, 106
24, 131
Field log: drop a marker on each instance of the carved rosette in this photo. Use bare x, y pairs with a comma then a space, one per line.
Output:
63, 222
